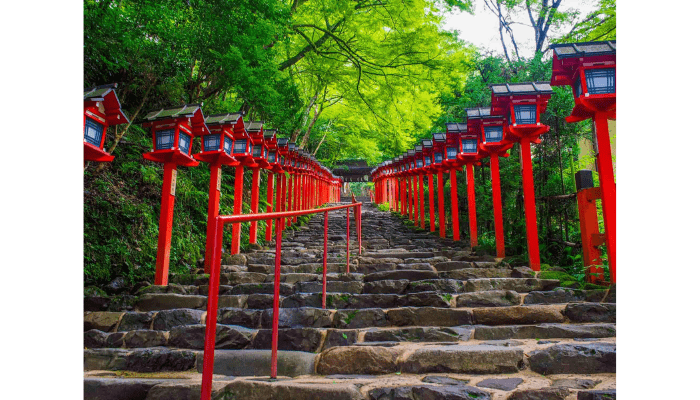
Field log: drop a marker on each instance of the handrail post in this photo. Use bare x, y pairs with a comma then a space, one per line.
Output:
347, 239
325, 257
212, 312
359, 229
276, 298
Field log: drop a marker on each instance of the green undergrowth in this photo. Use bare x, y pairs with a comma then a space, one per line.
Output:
571, 277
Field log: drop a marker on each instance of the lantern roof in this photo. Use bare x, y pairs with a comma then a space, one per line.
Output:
223, 119
478, 112
292, 146
455, 127
411, 153
584, 49
439, 137
525, 88
427, 143
254, 126
418, 148
282, 141
188, 110
191, 111
270, 133
108, 97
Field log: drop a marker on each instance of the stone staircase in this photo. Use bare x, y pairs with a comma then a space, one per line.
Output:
417, 317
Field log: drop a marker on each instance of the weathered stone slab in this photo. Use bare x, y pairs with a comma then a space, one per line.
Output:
463, 359
519, 285
544, 331
340, 337
589, 358
429, 316
260, 301
237, 278
358, 360
257, 363
240, 316
490, 298
517, 315
227, 337
388, 286
132, 321
145, 338
360, 318
575, 383
540, 394
296, 339
417, 334
426, 299
261, 390
591, 312
429, 392
411, 275
453, 265
293, 278
105, 321
507, 384
441, 285
371, 301
299, 318
169, 301
596, 395
233, 301
261, 288
168, 319
476, 273
331, 286
95, 338
118, 389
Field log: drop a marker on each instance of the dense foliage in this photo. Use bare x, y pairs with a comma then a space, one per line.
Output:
344, 78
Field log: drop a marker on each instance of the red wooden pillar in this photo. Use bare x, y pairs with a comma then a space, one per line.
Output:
409, 201
402, 193
533, 246
212, 213
270, 197
588, 217
237, 208
416, 213
421, 194
471, 197
290, 197
431, 201
455, 205
441, 204
254, 201
497, 206
165, 227
607, 186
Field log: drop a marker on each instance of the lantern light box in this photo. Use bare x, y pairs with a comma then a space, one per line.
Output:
217, 146
590, 69
172, 130
439, 141
101, 110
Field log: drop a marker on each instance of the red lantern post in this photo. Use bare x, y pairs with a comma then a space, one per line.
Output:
590, 69
256, 133
242, 150
172, 130
101, 109
523, 103
453, 163
470, 153
430, 170
439, 141
217, 150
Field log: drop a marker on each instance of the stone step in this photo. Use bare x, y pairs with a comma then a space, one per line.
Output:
349, 387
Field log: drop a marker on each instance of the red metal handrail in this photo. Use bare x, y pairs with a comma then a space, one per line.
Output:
213, 298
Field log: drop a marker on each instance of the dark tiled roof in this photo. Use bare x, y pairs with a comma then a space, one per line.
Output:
222, 119
282, 141
269, 133
456, 127
478, 112
173, 112
439, 137
583, 49
98, 91
427, 143
507, 89
254, 125
418, 148
411, 153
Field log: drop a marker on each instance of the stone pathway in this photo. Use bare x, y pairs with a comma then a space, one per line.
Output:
418, 317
